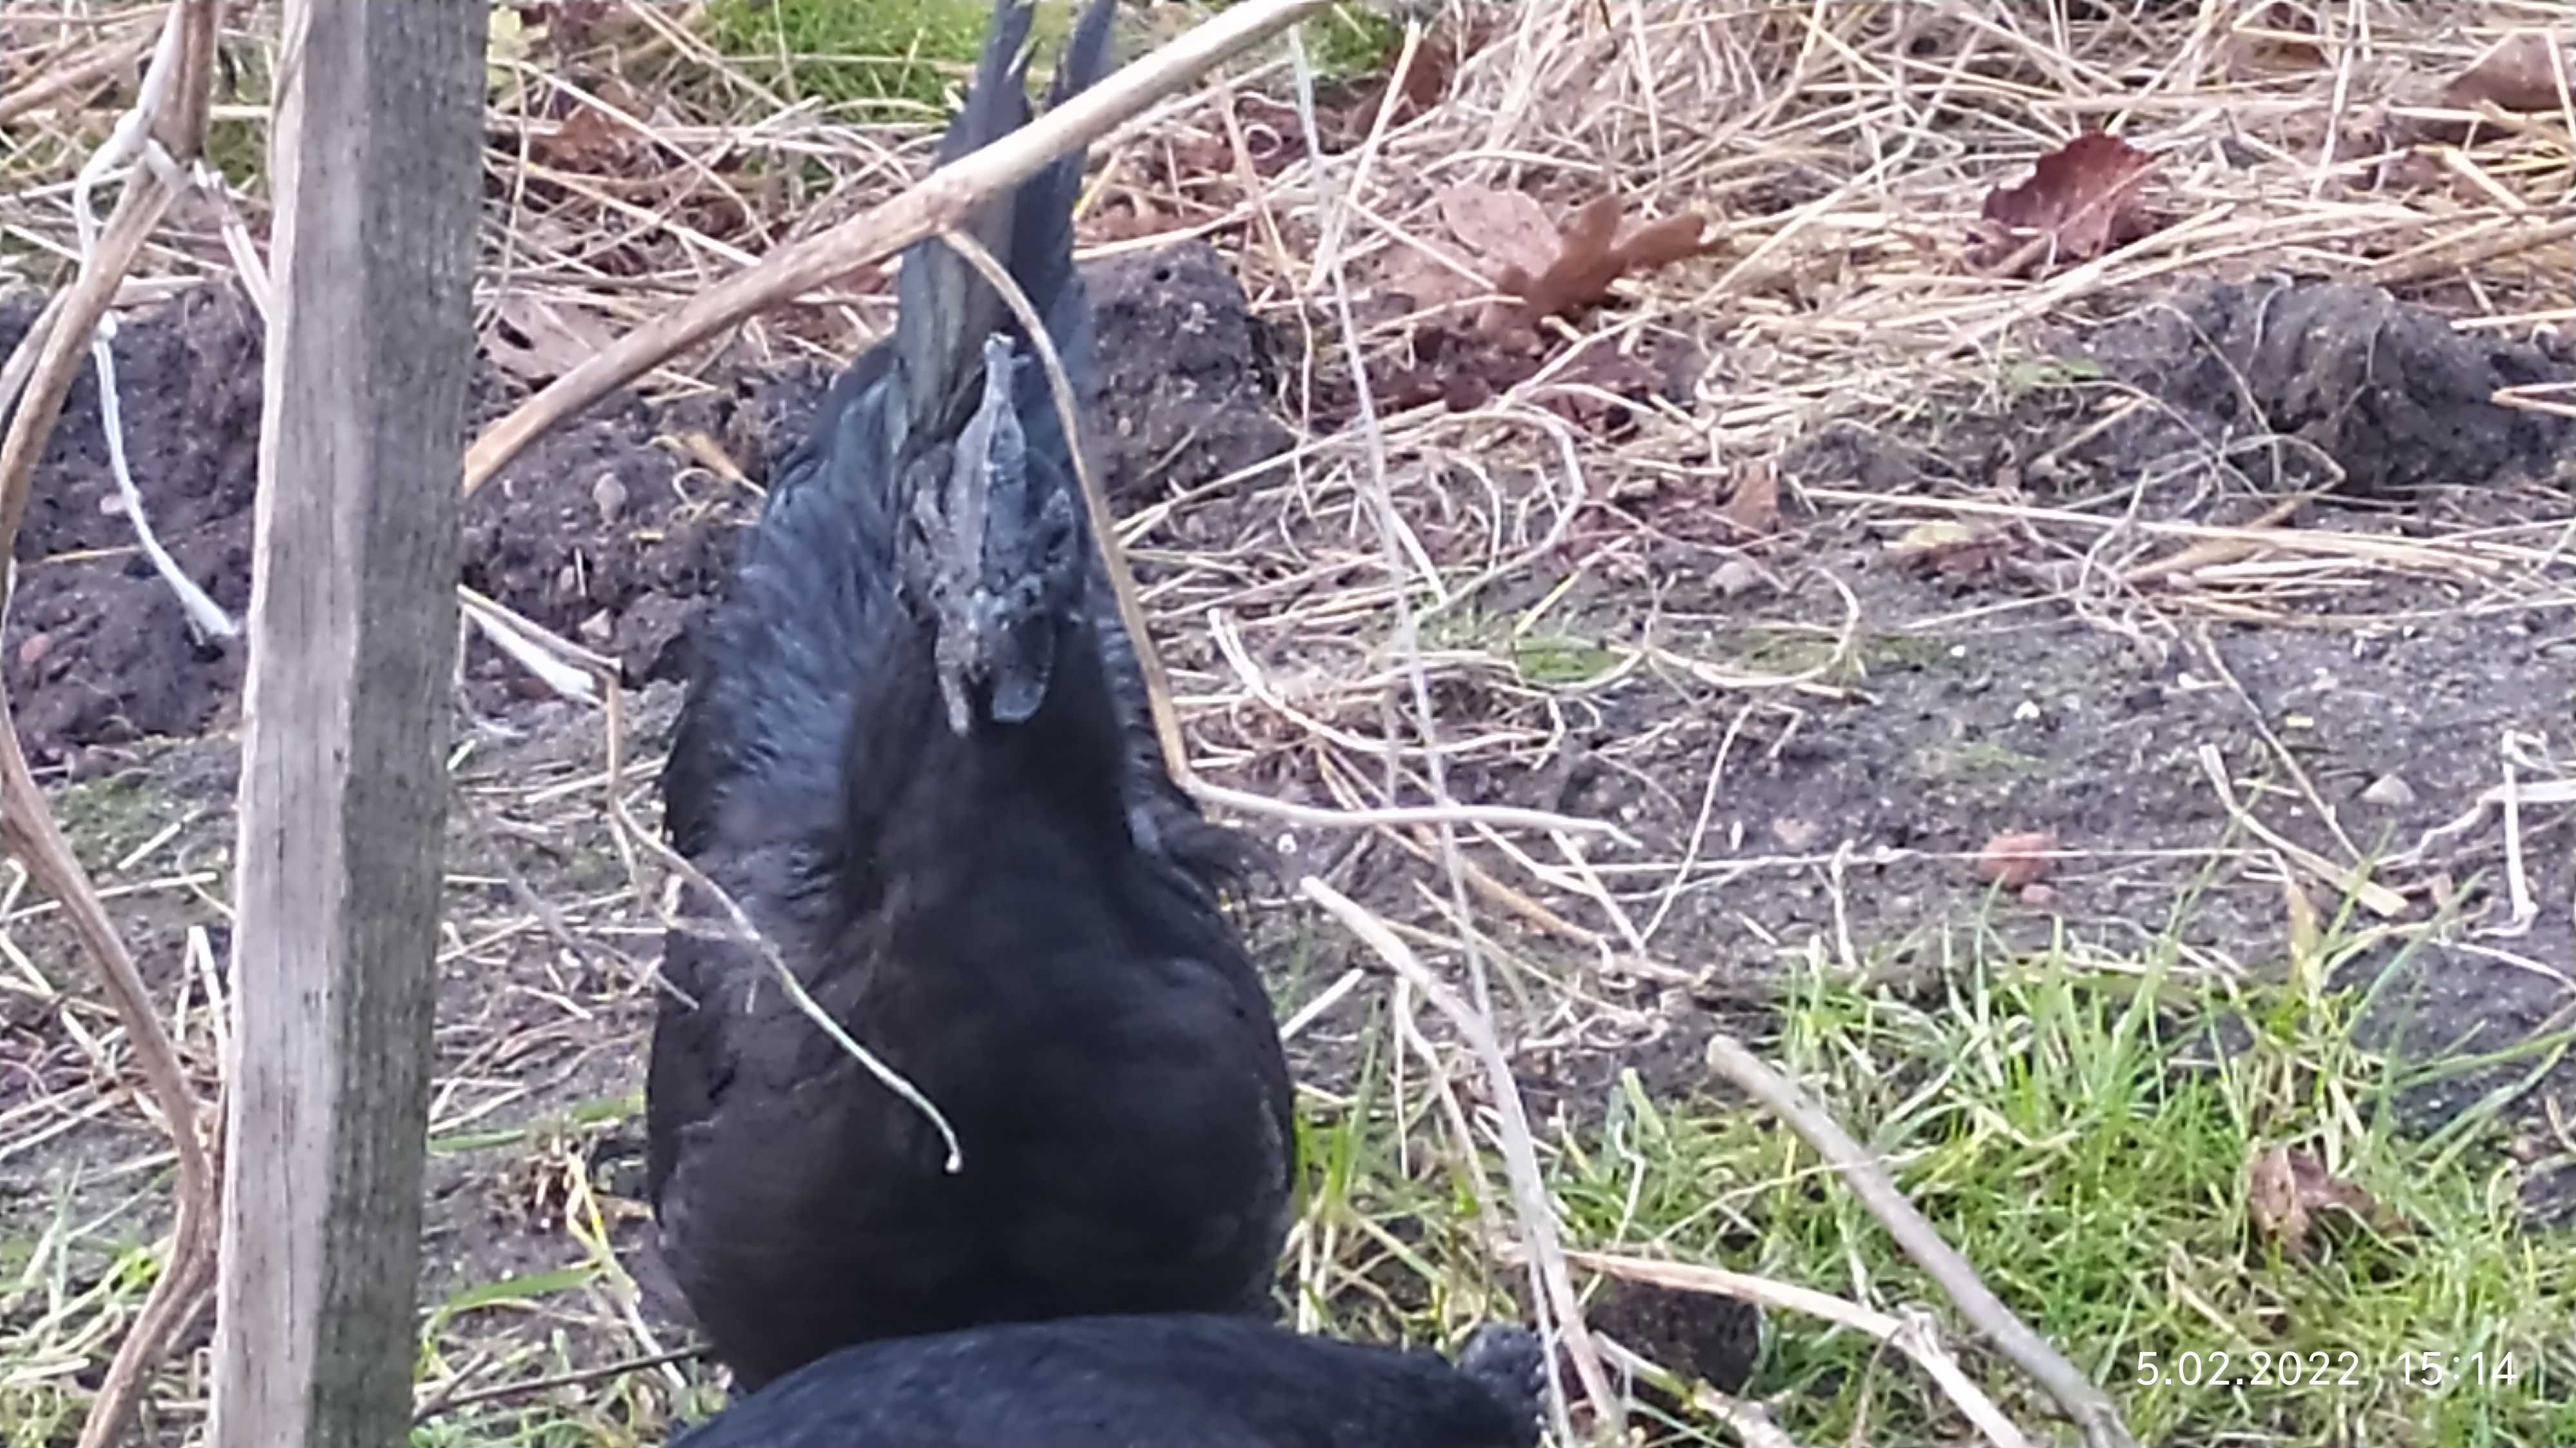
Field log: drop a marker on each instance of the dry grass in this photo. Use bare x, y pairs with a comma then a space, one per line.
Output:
1427, 610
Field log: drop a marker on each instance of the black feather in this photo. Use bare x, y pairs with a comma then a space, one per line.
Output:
1143, 1382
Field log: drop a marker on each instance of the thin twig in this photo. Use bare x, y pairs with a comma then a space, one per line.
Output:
1520, 1156
2091, 1409
449, 1402
1911, 1335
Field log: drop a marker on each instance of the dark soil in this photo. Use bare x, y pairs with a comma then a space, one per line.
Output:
606, 531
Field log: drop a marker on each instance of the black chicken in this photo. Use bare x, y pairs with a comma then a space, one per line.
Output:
1144, 1382
914, 752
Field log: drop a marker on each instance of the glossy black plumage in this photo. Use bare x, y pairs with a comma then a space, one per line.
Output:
1017, 910
1143, 1382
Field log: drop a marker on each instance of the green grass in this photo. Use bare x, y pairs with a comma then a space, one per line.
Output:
902, 58
881, 57
2083, 1139
1351, 40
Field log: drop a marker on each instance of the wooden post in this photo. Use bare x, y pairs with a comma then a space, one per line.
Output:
375, 164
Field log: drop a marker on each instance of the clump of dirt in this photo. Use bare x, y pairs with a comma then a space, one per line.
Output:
611, 532
615, 530
1697, 1335
1181, 366
2392, 394
594, 532
2271, 384
97, 647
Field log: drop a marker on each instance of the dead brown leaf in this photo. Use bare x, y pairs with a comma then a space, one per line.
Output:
586, 140
1753, 507
2079, 200
1413, 280
1542, 270
2017, 858
538, 340
2287, 1189
1590, 255
2526, 72
1500, 228
1550, 270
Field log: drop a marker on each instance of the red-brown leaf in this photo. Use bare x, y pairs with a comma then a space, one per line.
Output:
1503, 228
2079, 196
1752, 507
1591, 255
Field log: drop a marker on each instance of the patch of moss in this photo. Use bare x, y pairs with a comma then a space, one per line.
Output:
2035, 374
1905, 650
1793, 651
1980, 757
881, 56
106, 817
1353, 40
1551, 659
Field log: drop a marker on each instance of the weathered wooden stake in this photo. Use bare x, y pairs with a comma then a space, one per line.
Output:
374, 164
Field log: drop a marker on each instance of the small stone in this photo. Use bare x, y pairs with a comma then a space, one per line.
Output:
609, 495
2389, 792
598, 627
1736, 576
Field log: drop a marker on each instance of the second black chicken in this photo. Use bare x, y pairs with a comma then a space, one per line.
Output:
913, 752
1145, 1382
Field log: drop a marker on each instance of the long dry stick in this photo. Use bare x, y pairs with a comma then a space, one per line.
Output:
2091, 1409
95, 67
173, 107
938, 203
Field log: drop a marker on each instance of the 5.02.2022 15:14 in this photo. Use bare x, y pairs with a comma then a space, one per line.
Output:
2429, 1369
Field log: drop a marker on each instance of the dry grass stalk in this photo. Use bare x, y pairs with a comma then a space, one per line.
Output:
1537, 1219
171, 127
1912, 1335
